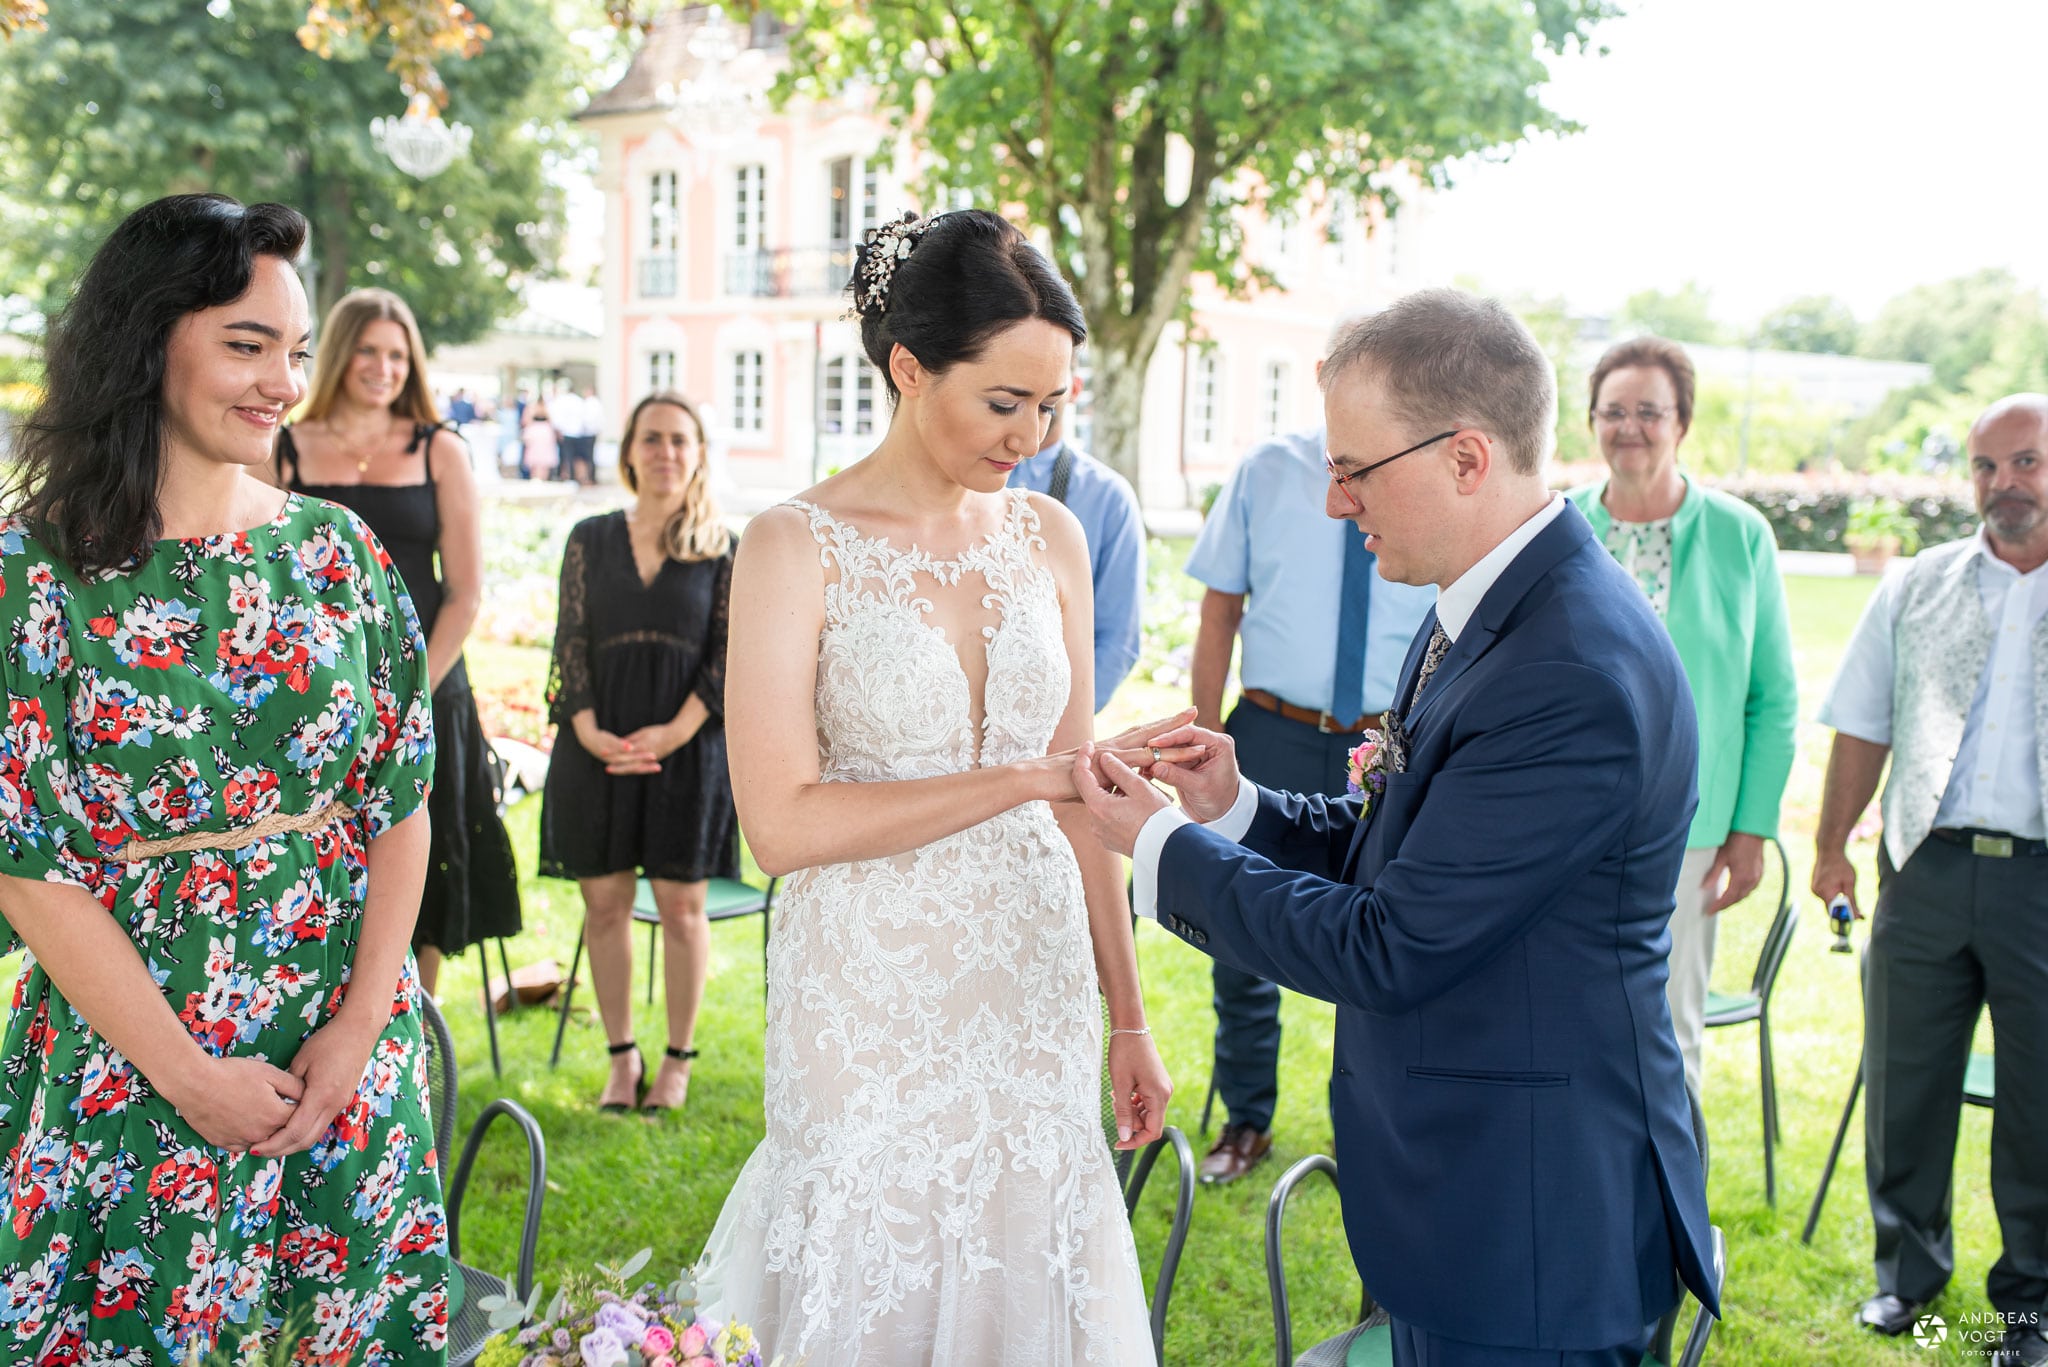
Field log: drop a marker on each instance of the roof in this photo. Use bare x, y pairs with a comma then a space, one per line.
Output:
665, 59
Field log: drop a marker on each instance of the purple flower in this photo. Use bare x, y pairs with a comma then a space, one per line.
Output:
626, 1320
602, 1348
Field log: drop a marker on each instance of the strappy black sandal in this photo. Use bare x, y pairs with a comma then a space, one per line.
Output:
639, 1083
685, 1055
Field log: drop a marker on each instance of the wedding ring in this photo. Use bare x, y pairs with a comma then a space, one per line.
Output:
1155, 754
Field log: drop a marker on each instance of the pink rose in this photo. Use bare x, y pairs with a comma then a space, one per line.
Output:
693, 1342
657, 1340
663, 1361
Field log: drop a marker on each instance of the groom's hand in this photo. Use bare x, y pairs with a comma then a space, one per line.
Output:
1208, 782
1119, 809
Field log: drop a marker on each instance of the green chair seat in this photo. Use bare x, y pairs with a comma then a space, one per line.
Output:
724, 898
1979, 1081
1732, 1007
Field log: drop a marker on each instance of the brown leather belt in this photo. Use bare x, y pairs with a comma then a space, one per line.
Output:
1321, 721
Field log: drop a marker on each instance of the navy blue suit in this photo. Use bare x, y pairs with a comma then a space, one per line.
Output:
1513, 1137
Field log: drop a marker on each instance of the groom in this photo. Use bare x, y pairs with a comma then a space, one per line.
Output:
1519, 1177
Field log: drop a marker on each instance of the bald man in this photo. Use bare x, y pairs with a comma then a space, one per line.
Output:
1947, 674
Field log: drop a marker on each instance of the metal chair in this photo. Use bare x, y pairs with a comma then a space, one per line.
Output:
725, 899
1131, 1176
470, 1329
1726, 1008
1369, 1342
1980, 1086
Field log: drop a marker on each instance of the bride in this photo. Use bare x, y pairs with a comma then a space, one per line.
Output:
909, 639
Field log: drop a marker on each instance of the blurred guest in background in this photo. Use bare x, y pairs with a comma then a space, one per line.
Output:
1709, 565
637, 784
368, 438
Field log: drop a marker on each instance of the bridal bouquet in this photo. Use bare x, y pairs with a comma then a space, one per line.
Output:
603, 1323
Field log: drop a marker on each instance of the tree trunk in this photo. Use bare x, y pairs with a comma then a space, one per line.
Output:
1118, 383
330, 245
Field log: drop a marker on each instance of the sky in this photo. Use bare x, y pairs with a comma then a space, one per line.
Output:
1769, 149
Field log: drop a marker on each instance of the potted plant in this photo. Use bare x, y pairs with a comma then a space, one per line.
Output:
1878, 529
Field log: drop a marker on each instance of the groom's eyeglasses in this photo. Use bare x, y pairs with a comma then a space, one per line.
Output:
1343, 482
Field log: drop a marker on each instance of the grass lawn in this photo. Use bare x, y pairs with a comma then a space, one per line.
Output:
620, 1183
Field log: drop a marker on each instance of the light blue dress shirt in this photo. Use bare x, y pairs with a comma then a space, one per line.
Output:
1108, 511
1268, 538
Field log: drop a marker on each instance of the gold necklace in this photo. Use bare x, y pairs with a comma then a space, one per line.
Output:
363, 465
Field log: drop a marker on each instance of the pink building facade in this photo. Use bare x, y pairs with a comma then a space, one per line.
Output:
728, 242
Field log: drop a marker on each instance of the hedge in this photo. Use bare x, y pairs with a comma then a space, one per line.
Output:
1809, 514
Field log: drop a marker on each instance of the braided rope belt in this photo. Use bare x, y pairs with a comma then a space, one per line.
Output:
277, 823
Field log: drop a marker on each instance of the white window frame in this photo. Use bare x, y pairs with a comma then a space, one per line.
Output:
1276, 394
863, 187
850, 406
746, 386
1205, 400
664, 213
660, 369
747, 228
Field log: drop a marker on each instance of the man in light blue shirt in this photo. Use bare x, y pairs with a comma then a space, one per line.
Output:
1108, 511
1324, 637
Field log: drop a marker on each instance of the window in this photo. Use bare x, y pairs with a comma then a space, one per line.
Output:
748, 265
750, 208
748, 405
848, 407
1273, 395
664, 229
1283, 252
661, 370
855, 189
1205, 401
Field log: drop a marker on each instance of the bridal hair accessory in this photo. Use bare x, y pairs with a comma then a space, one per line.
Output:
881, 250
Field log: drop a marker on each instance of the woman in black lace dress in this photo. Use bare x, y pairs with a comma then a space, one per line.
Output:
369, 438
637, 784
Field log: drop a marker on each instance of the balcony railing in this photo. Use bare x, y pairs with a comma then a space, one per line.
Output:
657, 277
789, 272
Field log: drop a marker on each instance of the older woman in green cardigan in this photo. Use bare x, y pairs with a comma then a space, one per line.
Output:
1709, 566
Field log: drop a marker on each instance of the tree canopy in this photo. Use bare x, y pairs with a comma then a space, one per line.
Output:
116, 105
1133, 132
1815, 322
1683, 315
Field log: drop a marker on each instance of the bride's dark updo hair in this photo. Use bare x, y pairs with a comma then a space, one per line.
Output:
943, 286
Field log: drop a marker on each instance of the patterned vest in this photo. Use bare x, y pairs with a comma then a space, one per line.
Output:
1941, 648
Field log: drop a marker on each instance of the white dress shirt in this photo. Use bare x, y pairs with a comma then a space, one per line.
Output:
1454, 608
1995, 783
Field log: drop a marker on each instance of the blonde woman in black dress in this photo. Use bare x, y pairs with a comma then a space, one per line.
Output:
370, 439
637, 784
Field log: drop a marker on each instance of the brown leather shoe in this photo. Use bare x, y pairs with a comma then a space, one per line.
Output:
1238, 1150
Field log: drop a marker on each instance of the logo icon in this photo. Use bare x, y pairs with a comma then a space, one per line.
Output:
1930, 1330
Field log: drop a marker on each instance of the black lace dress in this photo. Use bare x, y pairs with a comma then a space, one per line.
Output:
472, 888
635, 653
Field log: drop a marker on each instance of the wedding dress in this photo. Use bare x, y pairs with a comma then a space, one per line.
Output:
934, 1185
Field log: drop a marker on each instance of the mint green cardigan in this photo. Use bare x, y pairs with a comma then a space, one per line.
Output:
1727, 618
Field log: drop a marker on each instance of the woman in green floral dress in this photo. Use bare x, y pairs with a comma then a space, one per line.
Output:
213, 1097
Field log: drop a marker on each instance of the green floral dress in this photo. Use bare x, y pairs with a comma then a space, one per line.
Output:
221, 681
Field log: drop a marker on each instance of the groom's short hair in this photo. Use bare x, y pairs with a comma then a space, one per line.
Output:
1445, 356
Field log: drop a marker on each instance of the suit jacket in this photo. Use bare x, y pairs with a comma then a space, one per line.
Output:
1514, 1143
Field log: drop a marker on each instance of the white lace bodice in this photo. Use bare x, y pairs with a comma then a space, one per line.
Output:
894, 699
934, 1185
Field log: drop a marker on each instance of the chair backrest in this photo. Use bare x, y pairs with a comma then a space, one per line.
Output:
1778, 940
440, 1077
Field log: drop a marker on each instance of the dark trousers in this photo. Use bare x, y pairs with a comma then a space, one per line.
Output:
579, 457
1293, 757
1419, 1348
1955, 932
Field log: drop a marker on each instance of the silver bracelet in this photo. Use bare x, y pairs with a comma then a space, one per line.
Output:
1141, 1030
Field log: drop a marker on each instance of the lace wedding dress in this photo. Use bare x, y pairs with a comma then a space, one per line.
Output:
934, 1186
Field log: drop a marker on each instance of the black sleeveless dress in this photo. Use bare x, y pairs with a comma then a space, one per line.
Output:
635, 653
472, 888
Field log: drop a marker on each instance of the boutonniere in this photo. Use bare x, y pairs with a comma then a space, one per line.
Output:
1374, 757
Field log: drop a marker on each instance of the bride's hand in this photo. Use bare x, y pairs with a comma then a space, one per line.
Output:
1139, 1090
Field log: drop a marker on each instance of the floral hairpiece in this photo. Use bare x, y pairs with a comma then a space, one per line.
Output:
882, 250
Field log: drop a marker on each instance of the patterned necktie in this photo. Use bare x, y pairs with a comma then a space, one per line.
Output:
1439, 645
